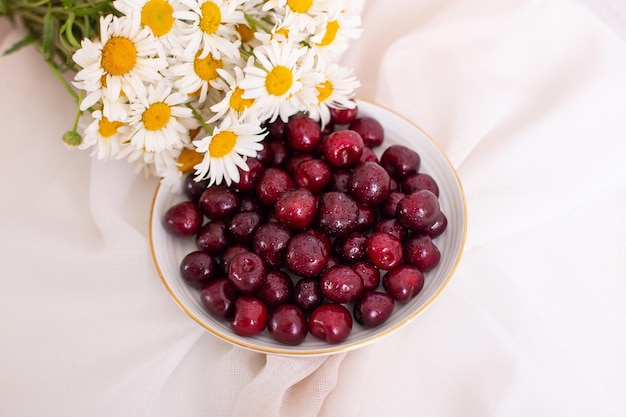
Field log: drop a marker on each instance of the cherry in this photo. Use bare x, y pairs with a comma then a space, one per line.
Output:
307, 294
296, 209
403, 282
368, 273
246, 272
211, 238
293, 163
248, 179
249, 202
288, 324
330, 322
344, 116
183, 219
393, 185
229, 253
369, 183
390, 205
338, 213
198, 268
350, 248
340, 180
342, 148
281, 153
368, 155
250, 316
393, 227
265, 155
276, 289
370, 130
272, 183
384, 250
242, 227
341, 284
270, 242
438, 227
193, 188
366, 219
307, 254
420, 251
400, 161
218, 298
313, 174
275, 129
373, 308
219, 202
303, 134
420, 181
418, 210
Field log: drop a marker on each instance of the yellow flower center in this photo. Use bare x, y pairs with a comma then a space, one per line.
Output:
206, 67
300, 6
222, 144
108, 128
119, 55
246, 33
187, 159
330, 34
324, 90
157, 15
279, 80
156, 116
283, 31
237, 102
211, 17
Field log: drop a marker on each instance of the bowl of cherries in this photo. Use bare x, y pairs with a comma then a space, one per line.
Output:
334, 238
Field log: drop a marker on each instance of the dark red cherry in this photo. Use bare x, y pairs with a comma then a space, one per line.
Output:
330, 322
183, 219
373, 308
288, 324
250, 316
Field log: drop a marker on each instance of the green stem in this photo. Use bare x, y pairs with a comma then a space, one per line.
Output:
79, 112
65, 84
200, 119
256, 23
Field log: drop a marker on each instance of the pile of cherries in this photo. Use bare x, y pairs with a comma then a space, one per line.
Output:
319, 232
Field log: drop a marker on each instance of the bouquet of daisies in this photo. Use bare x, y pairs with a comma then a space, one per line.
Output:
181, 86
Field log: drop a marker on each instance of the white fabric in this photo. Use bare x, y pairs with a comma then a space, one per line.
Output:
526, 97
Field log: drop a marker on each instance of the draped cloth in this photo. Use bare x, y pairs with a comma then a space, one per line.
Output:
526, 97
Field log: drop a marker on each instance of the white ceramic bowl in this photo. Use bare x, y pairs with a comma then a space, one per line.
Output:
168, 251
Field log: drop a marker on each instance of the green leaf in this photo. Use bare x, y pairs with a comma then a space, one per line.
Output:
27, 40
49, 34
67, 4
67, 30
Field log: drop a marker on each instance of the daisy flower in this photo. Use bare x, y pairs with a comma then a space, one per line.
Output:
284, 30
194, 75
212, 27
158, 15
254, 22
335, 91
160, 121
115, 110
123, 60
105, 136
275, 79
171, 166
303, 12
341, 25
233, 104
226, 150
